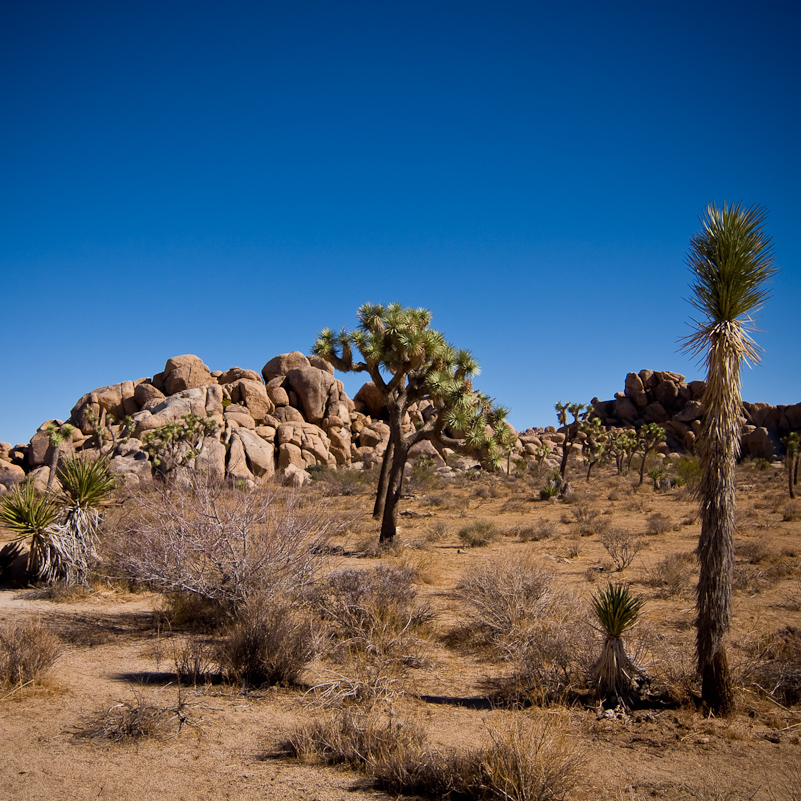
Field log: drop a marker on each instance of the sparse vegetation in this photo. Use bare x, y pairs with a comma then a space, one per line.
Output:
28, 649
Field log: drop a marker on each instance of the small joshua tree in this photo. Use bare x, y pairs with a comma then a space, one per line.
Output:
791, 458
176, 444
613, 674
594, 445
621, 446
571, 429
648, 438
58, 435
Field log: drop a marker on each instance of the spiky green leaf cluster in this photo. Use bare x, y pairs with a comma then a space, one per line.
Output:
26, 512
616, 609
85, 483
178, 442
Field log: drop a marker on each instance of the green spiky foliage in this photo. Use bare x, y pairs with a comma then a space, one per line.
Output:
731, 262
617, 612
621, 447
648, 438
86, 488
595, 445
174, 445
409, 362
32, 516
792, 456
57, 435
569, 428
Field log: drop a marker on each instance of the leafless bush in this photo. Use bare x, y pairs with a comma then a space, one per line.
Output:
776, 667
622, 546
437, 532
135, 721
28, 649
519, 614
672, 574
269, 643
196, 662
658, 524
220, 543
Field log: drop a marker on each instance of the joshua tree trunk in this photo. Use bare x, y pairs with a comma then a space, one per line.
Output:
719, 447
383, 481
389, 521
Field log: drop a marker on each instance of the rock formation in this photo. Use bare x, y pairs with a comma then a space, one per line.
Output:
295, 414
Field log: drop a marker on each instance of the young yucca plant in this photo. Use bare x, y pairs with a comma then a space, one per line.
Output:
613, 674
31, 515
86, 487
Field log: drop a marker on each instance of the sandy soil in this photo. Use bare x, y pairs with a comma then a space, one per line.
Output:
116, 652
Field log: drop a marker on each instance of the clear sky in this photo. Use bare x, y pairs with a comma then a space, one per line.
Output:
226, 179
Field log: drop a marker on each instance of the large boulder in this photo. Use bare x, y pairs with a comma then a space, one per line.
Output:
211, 458
116, 399
635, 391
251, 394
145, 393
134, 471
260, 455
760, 443
11, 474
237, 373
314, 389
369, 400
185, 372
282, 364
173, 408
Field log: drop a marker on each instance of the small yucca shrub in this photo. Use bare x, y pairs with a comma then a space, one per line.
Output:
617, 611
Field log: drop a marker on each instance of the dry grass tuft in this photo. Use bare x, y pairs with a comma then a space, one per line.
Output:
672, 574
28, 649
792, 511
658, 523
479, 534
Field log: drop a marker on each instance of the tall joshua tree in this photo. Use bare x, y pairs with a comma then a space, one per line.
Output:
731, 261
409, 362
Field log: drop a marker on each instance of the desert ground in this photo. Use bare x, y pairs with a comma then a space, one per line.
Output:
440, 672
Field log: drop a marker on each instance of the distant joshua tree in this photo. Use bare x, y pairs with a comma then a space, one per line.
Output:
731, 262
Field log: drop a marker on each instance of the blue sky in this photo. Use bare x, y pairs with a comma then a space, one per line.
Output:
228, 179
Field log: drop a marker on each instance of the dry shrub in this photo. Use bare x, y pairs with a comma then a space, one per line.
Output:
776, 667
519, 615
587, 520
28, 649
355, 736
269, 643
135, 721
375, 611
527, 759
755, 550
340, 481
672, 574
622, 546
479, 534
196, 662
221, 544
792, 511
574, 545
541, 530
437, 532
658, 523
